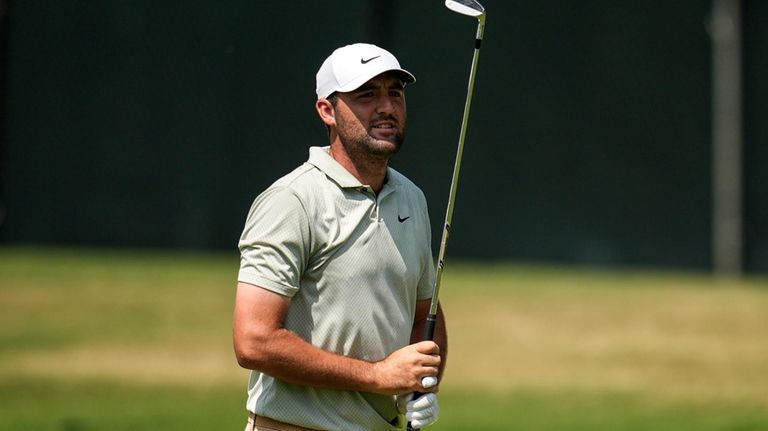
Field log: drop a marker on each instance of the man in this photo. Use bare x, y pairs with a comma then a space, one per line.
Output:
336, 270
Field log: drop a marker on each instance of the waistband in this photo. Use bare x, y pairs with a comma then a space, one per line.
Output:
254, 422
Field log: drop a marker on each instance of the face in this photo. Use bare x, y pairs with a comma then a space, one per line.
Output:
370, 121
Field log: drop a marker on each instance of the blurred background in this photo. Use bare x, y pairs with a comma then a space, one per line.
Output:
593, 137
612, 169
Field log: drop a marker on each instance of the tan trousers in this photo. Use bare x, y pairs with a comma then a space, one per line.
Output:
261, 423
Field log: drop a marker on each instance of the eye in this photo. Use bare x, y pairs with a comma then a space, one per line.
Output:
365, 95
396, 93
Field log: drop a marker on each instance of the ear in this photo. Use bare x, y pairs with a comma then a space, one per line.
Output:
326, 112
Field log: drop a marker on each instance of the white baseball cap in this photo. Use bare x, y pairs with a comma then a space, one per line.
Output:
351, 66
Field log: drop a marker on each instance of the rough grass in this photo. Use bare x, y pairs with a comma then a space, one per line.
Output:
116, 340
666, 335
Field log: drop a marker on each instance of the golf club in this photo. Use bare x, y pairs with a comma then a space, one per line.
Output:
476, 10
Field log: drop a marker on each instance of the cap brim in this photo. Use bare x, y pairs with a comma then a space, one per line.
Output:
406, 76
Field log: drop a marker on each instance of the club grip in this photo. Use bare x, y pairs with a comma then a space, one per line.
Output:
429, 331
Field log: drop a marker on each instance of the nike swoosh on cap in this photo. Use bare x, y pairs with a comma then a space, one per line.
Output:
362, 61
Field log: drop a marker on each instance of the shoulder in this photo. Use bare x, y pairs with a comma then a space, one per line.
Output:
306, 188
298, 179
283, 194
302, 182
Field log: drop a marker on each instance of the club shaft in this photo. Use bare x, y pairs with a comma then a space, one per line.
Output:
454, 183
432, 317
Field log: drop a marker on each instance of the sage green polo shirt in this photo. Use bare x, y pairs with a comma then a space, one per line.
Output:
354, 264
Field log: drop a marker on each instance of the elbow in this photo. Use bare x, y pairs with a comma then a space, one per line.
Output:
244, 358
249, 358
250, 351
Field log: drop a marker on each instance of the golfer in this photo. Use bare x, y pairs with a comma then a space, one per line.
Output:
336, 270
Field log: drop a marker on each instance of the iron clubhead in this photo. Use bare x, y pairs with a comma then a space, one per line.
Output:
466, 7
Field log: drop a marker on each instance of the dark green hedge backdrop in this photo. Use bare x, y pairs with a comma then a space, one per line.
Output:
154, 124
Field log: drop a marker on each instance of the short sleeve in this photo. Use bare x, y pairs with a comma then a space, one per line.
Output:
425, 288
426, 283
274, 245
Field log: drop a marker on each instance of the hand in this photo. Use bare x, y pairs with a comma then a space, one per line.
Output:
422, 411
402, 371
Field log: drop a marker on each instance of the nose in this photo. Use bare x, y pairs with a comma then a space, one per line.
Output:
385, 105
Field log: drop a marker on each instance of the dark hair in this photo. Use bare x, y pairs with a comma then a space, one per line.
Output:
333, 98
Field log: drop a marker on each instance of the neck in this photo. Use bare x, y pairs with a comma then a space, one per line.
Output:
368, 170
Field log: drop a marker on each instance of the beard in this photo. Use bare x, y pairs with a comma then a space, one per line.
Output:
360, 144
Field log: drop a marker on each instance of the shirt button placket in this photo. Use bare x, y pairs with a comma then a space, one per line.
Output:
375, 209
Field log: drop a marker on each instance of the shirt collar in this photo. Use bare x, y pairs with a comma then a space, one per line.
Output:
320, 157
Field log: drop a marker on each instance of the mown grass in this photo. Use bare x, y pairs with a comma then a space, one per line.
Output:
113, 340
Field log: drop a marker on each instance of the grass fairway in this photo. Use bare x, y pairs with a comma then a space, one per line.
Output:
115, 340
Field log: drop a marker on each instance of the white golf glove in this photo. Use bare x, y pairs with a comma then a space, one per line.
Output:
428, 382
422, 411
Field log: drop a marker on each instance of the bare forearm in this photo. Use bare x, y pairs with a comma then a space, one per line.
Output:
263, 344
288, 357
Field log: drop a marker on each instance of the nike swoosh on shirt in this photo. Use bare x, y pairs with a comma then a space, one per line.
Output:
402, 219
